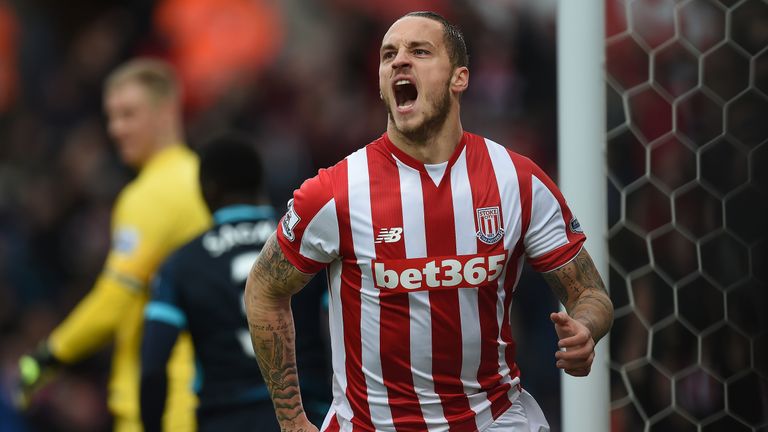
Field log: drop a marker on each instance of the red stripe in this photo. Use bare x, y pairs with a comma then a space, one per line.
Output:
523, 169
387, 213
485, 193
506, 329
333, 425
445, 311
557, 257
351, 280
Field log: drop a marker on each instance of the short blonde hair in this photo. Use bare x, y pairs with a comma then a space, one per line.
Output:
157, 76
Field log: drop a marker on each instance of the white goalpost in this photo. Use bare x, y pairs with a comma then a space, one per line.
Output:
582, 178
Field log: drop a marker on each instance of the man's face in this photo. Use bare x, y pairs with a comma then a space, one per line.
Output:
414, 76
134, 121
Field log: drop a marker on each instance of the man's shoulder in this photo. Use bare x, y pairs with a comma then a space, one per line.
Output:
522, 163
132, 198
178, 166
377, 145
329, 181
191, 250
181, 265
328, 177
174, 179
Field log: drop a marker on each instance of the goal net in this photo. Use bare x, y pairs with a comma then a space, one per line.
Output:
687, 155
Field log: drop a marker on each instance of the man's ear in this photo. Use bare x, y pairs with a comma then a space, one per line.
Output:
460, 79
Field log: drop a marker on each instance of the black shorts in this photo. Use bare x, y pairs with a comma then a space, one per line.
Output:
257, 417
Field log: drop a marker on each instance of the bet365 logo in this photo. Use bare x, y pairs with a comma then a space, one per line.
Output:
416, 274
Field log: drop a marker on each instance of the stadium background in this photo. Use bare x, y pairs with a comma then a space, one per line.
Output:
687, 94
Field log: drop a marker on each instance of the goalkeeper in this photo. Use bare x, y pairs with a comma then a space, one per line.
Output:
161, 209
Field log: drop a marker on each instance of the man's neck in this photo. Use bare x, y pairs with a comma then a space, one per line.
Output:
436, 148
160, 145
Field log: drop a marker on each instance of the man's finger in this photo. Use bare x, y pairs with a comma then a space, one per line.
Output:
560, 318
574, 354
573, 364
576, 340
578, 372
29, 370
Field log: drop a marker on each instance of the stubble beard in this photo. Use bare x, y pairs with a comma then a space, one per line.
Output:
432, 123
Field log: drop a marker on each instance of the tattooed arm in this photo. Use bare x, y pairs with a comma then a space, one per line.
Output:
589, 313
271, 283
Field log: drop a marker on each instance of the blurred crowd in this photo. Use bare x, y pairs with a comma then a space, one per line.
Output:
299, 76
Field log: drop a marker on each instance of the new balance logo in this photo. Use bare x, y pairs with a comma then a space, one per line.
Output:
389, 235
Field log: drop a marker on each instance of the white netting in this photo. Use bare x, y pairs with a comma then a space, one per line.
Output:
687, 161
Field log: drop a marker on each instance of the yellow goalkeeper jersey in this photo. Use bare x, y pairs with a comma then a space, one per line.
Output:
156, 213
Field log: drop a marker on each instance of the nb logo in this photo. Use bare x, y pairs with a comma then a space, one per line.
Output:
389, 235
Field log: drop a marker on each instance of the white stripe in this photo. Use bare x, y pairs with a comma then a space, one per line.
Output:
338, 357
547, 230
362, 238
327, 420
471, 335
509, 192
412, 202
418, 302
463, 207
320, 240
346, 426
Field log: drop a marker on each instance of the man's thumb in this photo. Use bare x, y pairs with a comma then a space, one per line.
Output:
560, 318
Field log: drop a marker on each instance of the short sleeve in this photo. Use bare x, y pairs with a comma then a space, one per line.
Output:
554, 235
308, 233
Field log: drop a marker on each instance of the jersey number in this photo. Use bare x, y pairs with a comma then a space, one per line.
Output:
240, 266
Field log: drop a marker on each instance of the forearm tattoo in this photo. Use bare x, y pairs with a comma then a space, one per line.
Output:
280, 374
581, 290
272, 281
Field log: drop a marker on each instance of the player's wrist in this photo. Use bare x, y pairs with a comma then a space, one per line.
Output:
34, 371
34, 364
300, 423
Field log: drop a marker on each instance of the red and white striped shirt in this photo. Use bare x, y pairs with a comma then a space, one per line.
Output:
422, 265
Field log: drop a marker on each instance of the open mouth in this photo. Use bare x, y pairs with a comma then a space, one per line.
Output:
405, 93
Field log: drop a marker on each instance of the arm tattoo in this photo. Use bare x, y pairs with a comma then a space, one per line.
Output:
281, 377
557, 287
580, 289
272, 281
274, 269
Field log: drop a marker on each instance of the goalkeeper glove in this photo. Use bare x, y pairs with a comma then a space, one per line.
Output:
35, 370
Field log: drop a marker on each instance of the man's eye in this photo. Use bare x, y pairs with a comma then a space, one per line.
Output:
420, 51
387, 55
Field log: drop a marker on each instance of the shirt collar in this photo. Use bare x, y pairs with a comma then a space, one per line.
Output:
242, 212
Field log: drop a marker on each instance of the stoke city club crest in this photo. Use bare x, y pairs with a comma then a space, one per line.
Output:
489, 229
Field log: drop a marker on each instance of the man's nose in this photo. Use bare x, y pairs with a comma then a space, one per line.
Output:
115, 127
401, 59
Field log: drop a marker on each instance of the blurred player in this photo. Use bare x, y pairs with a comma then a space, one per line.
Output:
161, 209
201, 287
424, 233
